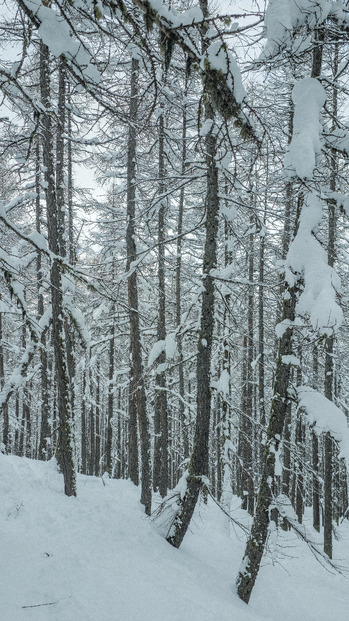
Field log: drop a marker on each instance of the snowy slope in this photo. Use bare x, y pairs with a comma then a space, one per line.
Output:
97, 558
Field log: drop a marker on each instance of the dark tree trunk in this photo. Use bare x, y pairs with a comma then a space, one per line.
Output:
83, 426
328, 447
315, 450
178, 271
329, 348
328, 499
45, 432
133, 469
137, 388
119, 444
97, 456
256, 541
198, 465
92, 454
299, 473
261, 372
5, 433
109, 430
160, 380
316, 483
248, 414
65, 441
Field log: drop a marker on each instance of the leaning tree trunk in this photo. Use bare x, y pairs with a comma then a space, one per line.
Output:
65, 441
256, 542
198, 465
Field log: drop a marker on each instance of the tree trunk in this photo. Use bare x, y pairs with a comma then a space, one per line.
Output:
178, 272
65, 440
316, 483
97, 456
109, 431
160, 480
45, 432
137, 390
83, 425
329, 348
5, 433
247, 431
256, 541
92, 455
198, 465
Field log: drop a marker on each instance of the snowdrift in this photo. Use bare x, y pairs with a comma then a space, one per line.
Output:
98, 558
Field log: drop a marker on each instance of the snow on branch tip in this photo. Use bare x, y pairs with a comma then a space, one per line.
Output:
324, 416
307, 261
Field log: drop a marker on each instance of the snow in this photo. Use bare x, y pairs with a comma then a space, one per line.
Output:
155, 352
51, 23
38, 240
309, 97
221, 59
255, 362
55, 33
190, 16
206, 127
291, 359
284, 17
80, 323
174, 18
323, 415
225, 273
307, 258
281, 327
97, 557
223, 382
170, 346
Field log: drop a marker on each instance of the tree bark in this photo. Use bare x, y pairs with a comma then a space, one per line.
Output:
109, 431
256, 541
178, 272
45, 432
329, 347
5, 432
137, 390
247, 439
198, 465
64, 451
160, 480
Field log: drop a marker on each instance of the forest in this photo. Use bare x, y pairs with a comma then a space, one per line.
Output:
174, 295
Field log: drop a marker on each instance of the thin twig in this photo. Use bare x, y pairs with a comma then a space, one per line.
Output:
38, 605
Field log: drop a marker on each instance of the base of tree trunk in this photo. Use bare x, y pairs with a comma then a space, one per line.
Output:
185, 512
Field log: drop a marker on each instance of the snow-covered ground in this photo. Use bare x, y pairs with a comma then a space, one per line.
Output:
97, 558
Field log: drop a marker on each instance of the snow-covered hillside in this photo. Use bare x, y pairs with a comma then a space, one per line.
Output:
97, 558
